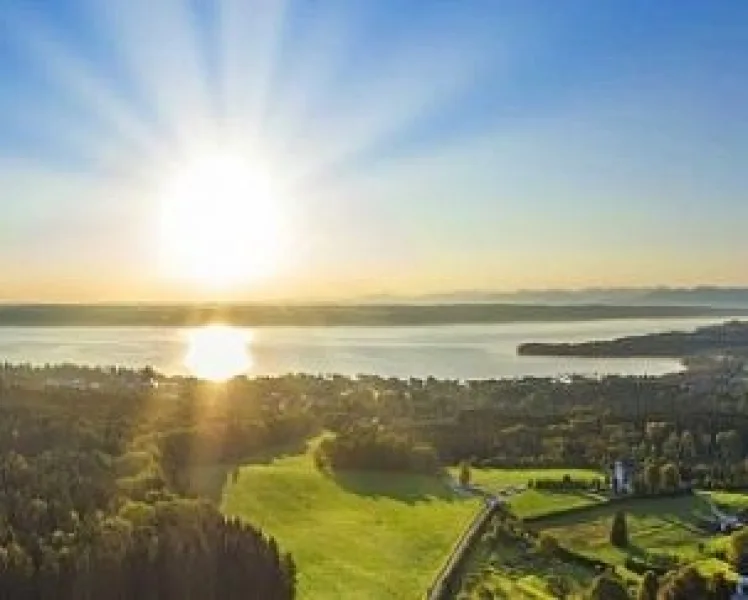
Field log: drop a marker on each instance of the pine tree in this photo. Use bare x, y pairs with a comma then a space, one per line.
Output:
619, 535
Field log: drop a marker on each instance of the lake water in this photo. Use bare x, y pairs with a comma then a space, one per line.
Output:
455, 351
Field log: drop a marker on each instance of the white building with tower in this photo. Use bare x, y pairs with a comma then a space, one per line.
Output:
622, 478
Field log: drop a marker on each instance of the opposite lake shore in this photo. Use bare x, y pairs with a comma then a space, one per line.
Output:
328, 315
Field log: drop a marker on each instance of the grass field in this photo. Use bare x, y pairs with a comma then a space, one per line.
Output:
533, 503
731, 500
662, 525
362, 535
494, 479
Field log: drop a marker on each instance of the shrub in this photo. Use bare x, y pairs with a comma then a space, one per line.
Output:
648, 587
548, 545
559, 586
686, 584
738, 547
566, 483
607, 587
642, 567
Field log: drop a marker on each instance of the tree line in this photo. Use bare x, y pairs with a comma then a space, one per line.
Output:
88, 511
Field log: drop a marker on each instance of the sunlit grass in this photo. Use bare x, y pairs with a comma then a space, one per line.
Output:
732, 500
494, 479
533, 503
365, 535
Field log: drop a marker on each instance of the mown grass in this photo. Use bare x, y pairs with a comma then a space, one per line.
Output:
731, 500
536, 503
359, 535
530, 502
495, 479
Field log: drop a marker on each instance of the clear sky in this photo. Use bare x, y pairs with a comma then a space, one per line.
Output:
410, 145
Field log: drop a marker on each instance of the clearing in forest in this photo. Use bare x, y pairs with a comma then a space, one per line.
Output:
364, 535
531, 502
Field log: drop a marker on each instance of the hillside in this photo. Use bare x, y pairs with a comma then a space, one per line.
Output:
360, 535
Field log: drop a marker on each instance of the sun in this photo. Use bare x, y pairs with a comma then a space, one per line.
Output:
220, 222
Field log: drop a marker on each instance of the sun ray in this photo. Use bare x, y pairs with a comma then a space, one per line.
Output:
406, 88
250, 37
158, 43
76, 78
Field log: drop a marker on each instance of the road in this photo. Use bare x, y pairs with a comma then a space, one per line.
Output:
440, 588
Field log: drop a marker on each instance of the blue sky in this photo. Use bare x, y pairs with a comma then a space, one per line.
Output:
418, 146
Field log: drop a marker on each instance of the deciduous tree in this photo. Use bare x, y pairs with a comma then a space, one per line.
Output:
652, 477
670, 477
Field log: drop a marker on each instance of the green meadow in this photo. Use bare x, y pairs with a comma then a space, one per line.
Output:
357, 535
534, 503
494, 479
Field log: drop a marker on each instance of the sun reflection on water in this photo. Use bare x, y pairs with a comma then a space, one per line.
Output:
218, 352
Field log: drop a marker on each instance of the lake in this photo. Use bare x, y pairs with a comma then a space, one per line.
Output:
444, 351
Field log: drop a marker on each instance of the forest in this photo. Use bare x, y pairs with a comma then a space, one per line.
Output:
533, 422
87, 510
97, 486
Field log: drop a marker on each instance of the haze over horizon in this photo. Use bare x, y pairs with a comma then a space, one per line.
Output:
233, 150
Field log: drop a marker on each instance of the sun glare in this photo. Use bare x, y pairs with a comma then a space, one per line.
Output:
220, 222
217, 352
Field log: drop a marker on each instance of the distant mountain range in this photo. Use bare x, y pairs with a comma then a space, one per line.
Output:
718, 297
